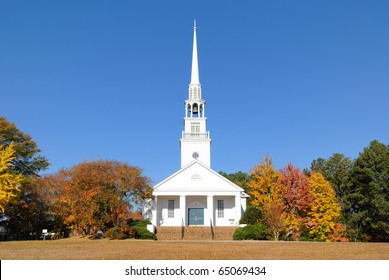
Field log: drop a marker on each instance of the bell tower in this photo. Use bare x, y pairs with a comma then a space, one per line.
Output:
195, 141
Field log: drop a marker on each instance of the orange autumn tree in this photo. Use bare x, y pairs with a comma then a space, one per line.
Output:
274, 218
323, 217
296, 198
102, 194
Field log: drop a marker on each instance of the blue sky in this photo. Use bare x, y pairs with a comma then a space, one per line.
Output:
93, 80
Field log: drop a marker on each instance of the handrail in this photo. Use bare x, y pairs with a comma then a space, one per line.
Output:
212, 232
182, 229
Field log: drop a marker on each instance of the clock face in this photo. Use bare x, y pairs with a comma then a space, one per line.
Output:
195, 155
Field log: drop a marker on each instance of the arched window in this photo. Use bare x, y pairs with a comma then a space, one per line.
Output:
196, 177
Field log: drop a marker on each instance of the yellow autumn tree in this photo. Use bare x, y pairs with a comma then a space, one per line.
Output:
323, 217
9, 181
266, 193
265, 183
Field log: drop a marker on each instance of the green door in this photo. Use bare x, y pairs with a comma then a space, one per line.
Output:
196, 216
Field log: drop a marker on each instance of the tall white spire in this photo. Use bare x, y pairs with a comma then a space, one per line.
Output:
195, 64
195, 141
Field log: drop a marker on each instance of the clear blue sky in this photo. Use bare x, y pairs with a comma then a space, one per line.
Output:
95, 80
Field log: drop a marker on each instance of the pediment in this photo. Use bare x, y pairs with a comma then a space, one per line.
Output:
196, 177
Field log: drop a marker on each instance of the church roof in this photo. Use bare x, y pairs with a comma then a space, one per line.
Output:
194, 178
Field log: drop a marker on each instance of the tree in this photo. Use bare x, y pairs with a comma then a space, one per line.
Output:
9, 182
27, 159
368, 214
28, 163
336, 170
265, 183
239, 178
296, 197
101, 194
295, 190
275, 218
28, 214
324, 212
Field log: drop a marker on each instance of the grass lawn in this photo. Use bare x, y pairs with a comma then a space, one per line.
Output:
85, 249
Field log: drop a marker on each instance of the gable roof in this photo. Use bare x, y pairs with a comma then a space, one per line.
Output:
196, 177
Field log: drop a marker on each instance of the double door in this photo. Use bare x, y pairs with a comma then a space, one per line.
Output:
196, 216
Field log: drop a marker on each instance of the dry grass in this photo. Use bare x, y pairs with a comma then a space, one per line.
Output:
83, 248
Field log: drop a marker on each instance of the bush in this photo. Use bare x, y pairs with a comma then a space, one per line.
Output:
142, 223
252, 215
250, 232
134, 229
116, 233
138, 229
144, 233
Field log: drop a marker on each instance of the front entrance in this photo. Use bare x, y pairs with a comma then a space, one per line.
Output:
196, 216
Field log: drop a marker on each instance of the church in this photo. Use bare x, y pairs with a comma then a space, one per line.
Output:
196, 195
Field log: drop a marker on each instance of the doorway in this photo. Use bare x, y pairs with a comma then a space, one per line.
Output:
196, 216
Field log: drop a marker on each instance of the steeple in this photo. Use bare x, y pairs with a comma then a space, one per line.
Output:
195, 141
195, 86
195, 64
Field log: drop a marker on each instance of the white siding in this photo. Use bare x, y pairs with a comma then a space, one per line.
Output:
229, 212
164, 220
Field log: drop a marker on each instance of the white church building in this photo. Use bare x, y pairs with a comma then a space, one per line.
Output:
196, 195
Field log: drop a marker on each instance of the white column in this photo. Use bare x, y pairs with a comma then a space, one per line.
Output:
210, 210
238, 212
183, 209
154, 211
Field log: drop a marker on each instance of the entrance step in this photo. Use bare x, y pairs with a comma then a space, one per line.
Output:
195, 233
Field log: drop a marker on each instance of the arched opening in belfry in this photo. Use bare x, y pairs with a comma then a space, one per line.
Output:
195, 110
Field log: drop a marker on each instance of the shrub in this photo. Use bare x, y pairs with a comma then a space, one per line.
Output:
116, 233
142, 223
144, 233
134, 229
252, 215
250, 232
138, 229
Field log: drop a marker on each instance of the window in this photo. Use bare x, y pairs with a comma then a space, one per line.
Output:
220, 208
170, 208
195, 177
195, 127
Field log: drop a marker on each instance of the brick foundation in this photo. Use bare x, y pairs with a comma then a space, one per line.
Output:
195, 233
